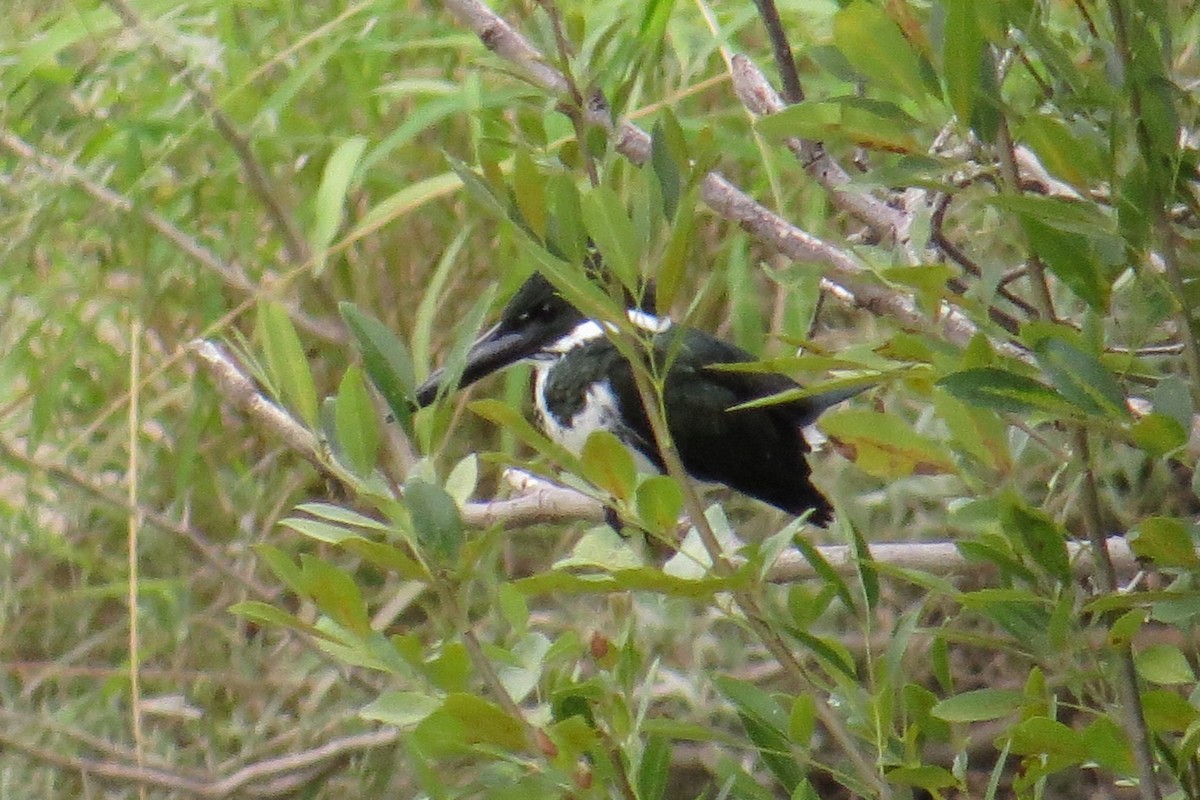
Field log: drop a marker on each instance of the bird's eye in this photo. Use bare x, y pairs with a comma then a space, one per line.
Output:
544, 310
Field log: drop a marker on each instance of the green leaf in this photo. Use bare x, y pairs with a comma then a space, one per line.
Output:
802, 722
828, 574
659, 502
1167, 712
405, 710
1071, 257
1045, 541
529, 187
513, 606
1074, 159
609, 465
511, 420
435, 519
1158, 434
1165, 541
884, 445
522, 675
925, 776
868, 575
1107, 745
672, 267
483, 722
1045, 736
962, 57
1081, 378
874, 45
654, 768
357, 430
977, 431
450, 670
1164, 664
283, 567
766, 724
385, 360
267, 614
336, 594
1125, 627
286, 361
979, 705
611, 229
867, 123
1001, 390
343, 515
463, 478
668, 160
331, 197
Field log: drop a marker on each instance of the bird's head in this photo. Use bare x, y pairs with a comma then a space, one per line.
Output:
534, 321
538, 323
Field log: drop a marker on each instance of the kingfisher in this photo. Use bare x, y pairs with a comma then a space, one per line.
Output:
582, 383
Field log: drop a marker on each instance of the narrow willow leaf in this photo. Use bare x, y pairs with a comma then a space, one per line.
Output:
336, 594
504, 415
340, 514
613, 232
1001, 390
659, 502
331, 197
653, 769
979, 705
766, 724
529, 189
357, 428
1043, 539
873, 124
1081, 378
874, 45
962, 57
402, 709
386, 361
435, 518
668, 160
284, 568
286, 361
267, 614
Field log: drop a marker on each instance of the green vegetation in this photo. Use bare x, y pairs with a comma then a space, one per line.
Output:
991, 210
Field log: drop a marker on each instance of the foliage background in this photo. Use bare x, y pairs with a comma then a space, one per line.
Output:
169, 168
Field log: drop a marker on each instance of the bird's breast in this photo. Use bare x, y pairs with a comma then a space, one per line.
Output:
570, 413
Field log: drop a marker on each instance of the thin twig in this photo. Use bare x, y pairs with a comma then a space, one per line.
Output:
268, 778
785, 61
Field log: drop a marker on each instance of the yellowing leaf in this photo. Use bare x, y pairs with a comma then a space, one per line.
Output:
884, 445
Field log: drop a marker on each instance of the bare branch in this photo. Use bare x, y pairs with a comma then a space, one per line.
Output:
237, 387
887, 223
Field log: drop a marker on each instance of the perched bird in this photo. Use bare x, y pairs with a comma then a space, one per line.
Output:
582, 383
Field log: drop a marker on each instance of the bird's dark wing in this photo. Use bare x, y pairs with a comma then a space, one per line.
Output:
759, 452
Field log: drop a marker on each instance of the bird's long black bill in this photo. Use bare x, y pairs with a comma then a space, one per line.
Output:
491, 352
